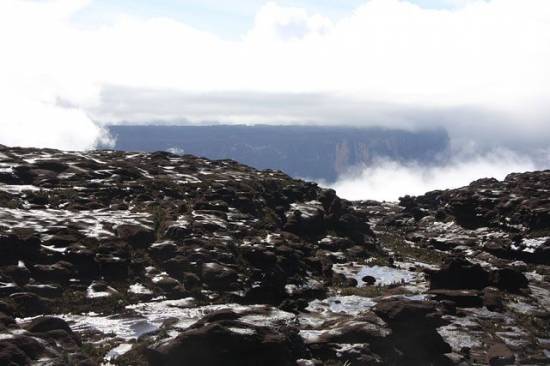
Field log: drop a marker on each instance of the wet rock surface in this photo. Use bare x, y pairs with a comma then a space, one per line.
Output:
160, 259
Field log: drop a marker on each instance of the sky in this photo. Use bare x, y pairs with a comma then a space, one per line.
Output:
227, 19
478, 68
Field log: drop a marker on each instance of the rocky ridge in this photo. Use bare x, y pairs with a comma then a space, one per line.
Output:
160, 259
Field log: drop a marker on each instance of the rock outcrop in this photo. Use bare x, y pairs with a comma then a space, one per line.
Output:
163, 259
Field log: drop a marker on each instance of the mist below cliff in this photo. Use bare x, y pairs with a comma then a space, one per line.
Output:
387, 180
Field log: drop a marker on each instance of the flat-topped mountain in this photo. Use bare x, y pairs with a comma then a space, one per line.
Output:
315, 152
121, 258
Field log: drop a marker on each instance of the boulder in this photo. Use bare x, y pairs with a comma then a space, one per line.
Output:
30, 346
29, 304
83, 260
492, 299
177, 232
51, 165
225, 342
137, 236
163, 250
369, 280
365, 329
508, 279
112, 266
11, 355
500, 355
218, 276
461, 298
6, 321
19, 274
305, 219
62, 240
61, 271
458, 273
45, 324
45, 290
414, 330
259, 257
19, 245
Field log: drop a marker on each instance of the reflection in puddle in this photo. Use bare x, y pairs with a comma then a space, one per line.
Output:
383, 275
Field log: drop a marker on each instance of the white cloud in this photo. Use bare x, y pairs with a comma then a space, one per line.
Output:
40, 63
389, 180
390, 62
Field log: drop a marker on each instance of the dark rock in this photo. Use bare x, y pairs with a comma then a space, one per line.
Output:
260, 237
447, 307
492, 299
30, 346
83, 260
294, 305
369, 280
191, 280
335, 244
461, 298
163, 250
62, 240
61, 271
16, 246
112, 266
167, 283
542, 253
28, 304
343, 281
6, 321
366, 329
214, 205
18, 274
46, 324
53, 165
6, 308
414, 330
354, 227
6, 289
177, 232
228, 343
67, 341
45, 290
458, 273
260, 257
178, 265
508, 279
305, 220
499, 248
217, 276
11, 355
499, 355
137, 236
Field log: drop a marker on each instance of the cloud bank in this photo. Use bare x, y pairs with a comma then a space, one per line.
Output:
39, 66
389, 180
479, 70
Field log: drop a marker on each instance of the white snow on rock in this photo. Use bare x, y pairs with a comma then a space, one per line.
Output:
352, 305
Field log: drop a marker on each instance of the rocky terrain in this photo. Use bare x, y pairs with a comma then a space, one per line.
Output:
158, 259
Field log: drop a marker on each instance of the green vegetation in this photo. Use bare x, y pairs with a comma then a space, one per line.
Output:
397, 245
160, 219
374, 291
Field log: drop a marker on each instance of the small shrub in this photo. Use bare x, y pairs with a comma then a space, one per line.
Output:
160, 221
